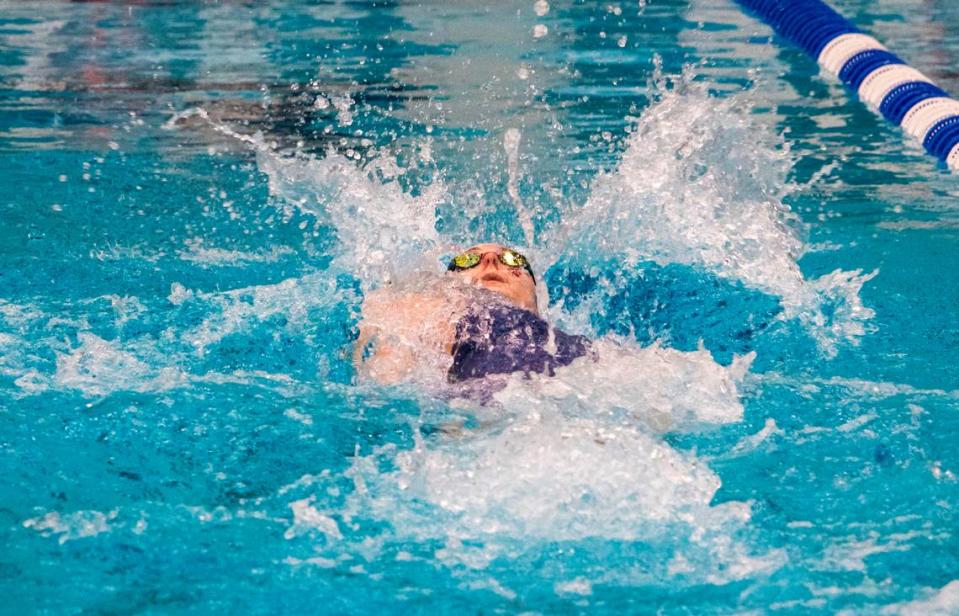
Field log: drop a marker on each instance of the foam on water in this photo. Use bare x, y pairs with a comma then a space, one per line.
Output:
198, 252
239, 309
655, 386
943, 601
96, 366
71, 526
859, 388
572, 457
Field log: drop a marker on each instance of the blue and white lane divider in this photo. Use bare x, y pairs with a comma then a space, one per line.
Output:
884, 82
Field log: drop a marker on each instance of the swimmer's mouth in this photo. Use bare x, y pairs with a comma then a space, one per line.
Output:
492, 277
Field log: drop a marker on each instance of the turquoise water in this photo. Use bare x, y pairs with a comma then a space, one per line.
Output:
199, 195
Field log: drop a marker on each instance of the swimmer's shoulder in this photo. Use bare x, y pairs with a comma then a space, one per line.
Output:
391, 307
399, 327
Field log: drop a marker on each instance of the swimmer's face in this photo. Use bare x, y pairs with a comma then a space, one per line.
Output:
514, 283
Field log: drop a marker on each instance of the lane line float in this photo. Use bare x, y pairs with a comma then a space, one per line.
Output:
885, 83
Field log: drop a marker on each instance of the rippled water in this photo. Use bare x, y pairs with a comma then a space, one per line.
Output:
198, 196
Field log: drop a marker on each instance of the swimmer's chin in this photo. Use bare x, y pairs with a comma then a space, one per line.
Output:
500, 288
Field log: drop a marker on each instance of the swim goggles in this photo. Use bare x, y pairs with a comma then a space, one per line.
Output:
509, 258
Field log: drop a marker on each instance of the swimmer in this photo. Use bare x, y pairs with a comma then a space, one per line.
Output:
480, 319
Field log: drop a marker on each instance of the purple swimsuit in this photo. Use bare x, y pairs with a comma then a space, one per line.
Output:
500, 339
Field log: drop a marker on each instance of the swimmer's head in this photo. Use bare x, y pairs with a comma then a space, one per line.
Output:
498, 269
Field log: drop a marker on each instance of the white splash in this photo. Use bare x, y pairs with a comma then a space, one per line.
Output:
566, 458
576, 454
551, 478
306, 519
578, 586
239, 309
344, 109
943, 601
700, 184
197, 252
71, 526
511, 141
98, 367
661, 388
384, 232
859, 388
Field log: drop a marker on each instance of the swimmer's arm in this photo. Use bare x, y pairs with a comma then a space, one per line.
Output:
400, 330
379, 360
396, 331
373, 355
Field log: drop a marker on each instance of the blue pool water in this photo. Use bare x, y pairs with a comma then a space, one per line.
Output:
198, 196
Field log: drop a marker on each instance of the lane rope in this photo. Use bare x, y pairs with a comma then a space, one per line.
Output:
885, 83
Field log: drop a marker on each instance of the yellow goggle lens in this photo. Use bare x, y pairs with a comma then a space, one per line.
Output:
512, 259
466, 260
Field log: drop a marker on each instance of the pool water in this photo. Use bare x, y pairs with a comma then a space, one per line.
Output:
199, 195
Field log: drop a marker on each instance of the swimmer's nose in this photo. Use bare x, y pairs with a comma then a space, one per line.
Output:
490, 259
